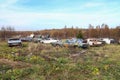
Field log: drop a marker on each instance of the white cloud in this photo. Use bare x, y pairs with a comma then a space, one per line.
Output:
93, 4
7, 3
34, 18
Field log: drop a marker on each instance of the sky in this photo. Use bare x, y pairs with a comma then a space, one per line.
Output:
56, 14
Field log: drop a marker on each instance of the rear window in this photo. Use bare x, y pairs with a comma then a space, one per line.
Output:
13, 39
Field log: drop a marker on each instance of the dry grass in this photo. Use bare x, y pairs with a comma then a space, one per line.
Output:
42, 61
14, 64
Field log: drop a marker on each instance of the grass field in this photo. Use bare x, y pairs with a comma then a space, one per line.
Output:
43, 62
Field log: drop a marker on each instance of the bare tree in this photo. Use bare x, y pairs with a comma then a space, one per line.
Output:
6, 32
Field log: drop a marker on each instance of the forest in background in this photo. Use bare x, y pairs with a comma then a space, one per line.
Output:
100, 31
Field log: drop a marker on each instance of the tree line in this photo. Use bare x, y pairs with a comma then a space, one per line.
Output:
6, 32
99, 31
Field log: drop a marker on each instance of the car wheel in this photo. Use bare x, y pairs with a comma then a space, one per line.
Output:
20, 44
9, 45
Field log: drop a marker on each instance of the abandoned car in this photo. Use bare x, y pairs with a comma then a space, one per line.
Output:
14, 42
94, 42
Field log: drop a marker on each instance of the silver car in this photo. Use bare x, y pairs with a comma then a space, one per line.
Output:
14, 42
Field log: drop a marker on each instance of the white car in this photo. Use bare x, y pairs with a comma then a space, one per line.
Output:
14, 42
94, 42
49, 40
108, 40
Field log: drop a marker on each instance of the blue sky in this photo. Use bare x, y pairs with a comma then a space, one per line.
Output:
49, 14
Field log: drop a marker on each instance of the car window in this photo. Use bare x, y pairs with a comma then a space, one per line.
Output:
13, 39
